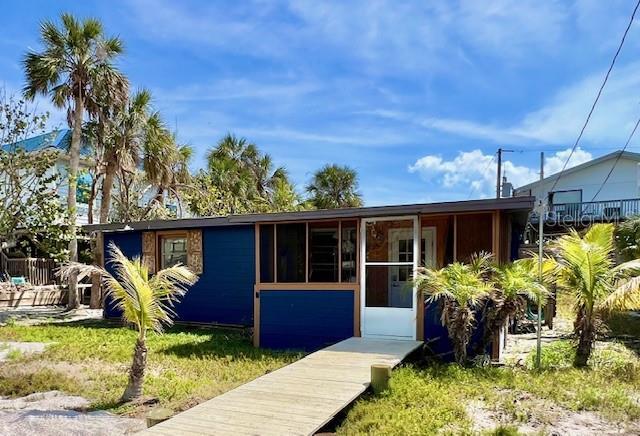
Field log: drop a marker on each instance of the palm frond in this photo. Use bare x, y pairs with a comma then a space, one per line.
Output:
625, 297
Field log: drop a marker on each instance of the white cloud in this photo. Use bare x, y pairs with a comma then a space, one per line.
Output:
474, 172
554, 163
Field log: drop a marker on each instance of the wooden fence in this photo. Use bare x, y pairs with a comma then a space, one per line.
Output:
37, 272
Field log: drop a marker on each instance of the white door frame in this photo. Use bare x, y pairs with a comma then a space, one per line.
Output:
364, 263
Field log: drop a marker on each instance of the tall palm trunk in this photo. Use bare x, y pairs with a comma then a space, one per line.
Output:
74, 164
93, 194
586, 331
107, 188
136, 373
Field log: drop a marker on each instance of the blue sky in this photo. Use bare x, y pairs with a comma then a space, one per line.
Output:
417, 96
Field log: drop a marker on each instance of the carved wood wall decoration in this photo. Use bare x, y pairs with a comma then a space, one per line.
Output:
194, 251
149, 250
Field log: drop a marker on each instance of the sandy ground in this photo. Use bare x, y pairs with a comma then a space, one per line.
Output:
6, 348
543, 417
46, 314
54, 413
540, 416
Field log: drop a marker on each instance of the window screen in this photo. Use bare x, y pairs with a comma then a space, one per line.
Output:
349, 247
266, 253
323, 252
291, 252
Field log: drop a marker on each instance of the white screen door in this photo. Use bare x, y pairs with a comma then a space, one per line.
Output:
390, 247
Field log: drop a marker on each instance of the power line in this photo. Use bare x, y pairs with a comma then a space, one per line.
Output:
633, 132
595, 102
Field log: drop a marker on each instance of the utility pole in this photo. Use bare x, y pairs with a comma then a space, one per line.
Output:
499, 173
541, 214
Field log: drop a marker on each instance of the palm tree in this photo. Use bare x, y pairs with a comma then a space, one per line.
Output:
284, 197
628, 238
244, 177
514, 284
122, 152
75, 56
585, 267
460, 288
334, 187
160, 155
146, 302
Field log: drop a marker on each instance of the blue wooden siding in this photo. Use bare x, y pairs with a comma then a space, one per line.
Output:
224, 291
130, 243
305, 320
437, 337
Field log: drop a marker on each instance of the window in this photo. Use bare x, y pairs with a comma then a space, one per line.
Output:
291, 252
173, 250
566, 197
313, 252
349, 247
266, 253
323, 252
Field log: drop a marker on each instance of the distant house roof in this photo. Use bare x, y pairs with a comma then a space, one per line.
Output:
623, 155
56, 139
506, 204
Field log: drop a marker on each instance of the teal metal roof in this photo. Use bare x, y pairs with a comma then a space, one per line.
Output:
58, 139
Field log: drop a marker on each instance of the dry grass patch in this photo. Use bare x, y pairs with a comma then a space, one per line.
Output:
185, 366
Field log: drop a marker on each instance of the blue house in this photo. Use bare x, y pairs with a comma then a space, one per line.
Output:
303, 280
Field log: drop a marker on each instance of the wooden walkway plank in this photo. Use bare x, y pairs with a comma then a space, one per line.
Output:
297, 399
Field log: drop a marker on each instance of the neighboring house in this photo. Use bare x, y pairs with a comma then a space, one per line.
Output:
59, 140
575, 200
304, 280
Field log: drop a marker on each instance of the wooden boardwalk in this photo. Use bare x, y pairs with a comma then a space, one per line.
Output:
297, 399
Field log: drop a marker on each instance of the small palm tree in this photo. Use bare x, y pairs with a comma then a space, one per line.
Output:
514, 284
335, 186
460, 288
585, 267
146, 302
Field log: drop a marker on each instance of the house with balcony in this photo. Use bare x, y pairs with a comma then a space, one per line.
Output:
581, 197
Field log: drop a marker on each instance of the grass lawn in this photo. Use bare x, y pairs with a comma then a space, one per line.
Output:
445, 398
91, 359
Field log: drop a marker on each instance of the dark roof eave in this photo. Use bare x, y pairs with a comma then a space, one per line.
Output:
511, 203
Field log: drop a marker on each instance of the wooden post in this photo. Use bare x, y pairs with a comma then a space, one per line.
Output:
380, 376
158, 415
96, 299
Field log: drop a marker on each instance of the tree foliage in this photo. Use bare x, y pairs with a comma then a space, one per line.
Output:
240, 179
460, 288
30, 209
334, 187
585, 268
628, 238
515, 284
